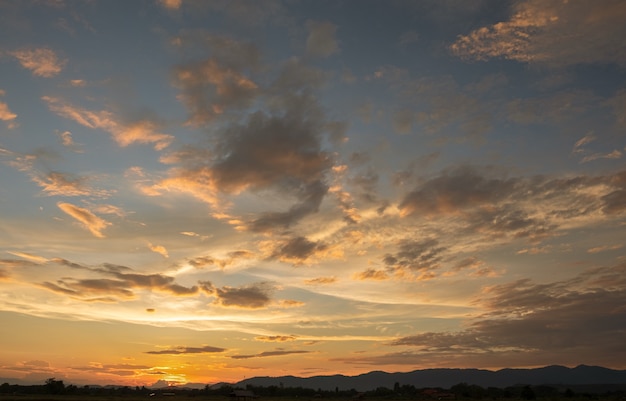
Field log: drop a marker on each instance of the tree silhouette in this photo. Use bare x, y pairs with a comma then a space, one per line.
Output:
54, 386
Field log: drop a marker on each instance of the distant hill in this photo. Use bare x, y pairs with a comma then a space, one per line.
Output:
446, 378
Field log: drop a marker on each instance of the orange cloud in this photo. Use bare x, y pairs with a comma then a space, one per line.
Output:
372, 274
89, 220
321, 281
42, 62
171, 4
124, 134
160, 249
552, 32
6, 114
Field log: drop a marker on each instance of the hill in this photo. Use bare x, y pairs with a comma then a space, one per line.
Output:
445, 378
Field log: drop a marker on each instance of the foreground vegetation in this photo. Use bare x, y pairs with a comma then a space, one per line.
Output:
56, 390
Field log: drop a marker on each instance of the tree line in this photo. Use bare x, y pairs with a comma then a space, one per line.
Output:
461, 391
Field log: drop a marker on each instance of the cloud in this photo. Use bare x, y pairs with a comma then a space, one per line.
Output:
6, 114
210, 89
253, 296
455, 191
187, 350
556, 33
321, 281
270, 353
160, 249
298, 250
276, 338
123, 283
604, 248
123, 133
53, 182
68, 142
372, 274
268, 152
423, 255
171, 4
581, 317
29, 256
321, 41
89, 220
42, 62
232, 257
587, 139
615, 154
65, 184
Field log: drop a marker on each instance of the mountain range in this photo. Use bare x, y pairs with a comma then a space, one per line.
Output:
588, 377
445, 378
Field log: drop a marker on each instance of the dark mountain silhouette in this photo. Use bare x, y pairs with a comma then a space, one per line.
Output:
445, 378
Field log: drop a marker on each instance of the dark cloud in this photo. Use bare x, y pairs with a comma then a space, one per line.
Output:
270, 353
187, 350
219, 84
275, 338
457, 190
583, 317
423, 255
519, 207
122, 285
252, 296
277, 149
615, 202
297, 250
204, 261
366, 185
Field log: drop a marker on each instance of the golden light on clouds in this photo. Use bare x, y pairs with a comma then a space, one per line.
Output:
231, 189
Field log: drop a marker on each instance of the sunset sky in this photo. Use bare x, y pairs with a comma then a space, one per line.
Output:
204, 191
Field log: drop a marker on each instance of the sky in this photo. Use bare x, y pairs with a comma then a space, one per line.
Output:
206, 191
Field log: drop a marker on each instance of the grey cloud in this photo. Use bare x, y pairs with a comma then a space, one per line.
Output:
366, 184
230, 53
582, 316
252, 296
421, 255
552, 33
294, 77
507, 220
210, 89
278, 149
321, 41
270, 353
456, 190
187, 350
275, 338
615, 202
122, 285
298, 250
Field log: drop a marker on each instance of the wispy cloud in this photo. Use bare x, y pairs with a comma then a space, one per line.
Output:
270, 353
43, 62
206, 349
90, 221
124, 133
160, 249
551, 32
6, 114
275, 338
